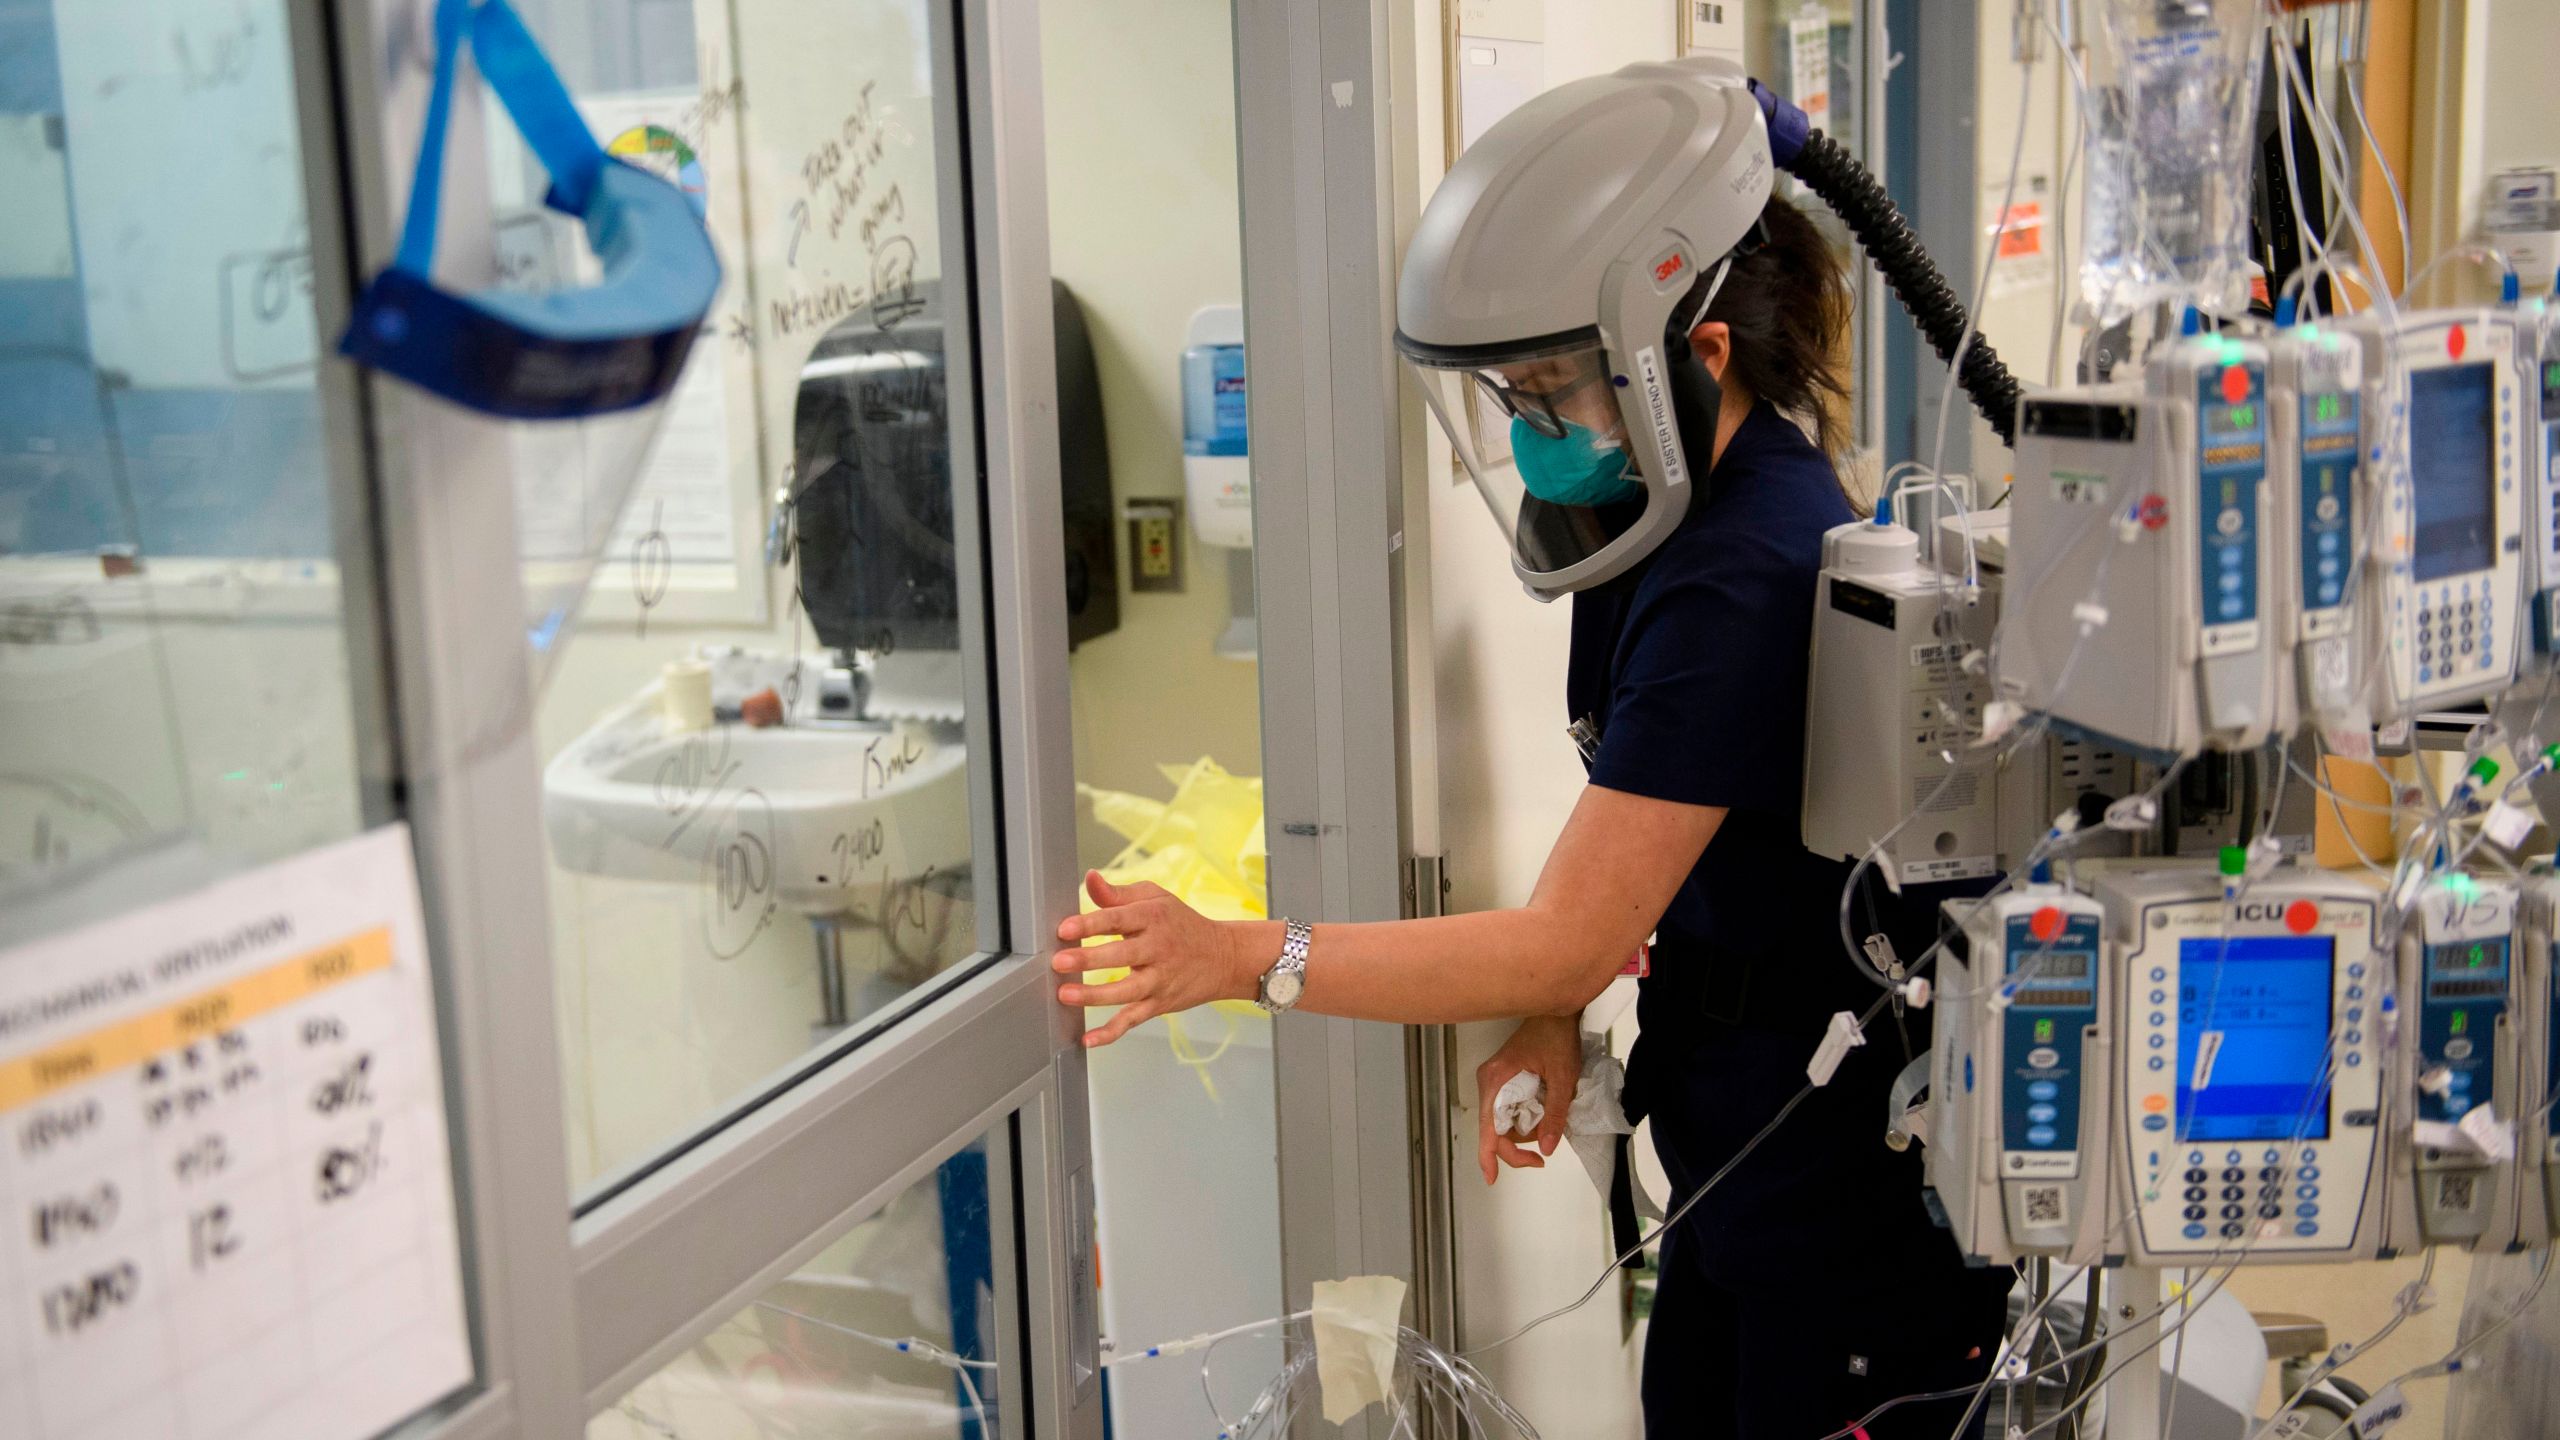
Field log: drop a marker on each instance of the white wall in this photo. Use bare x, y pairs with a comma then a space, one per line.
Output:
2519, 110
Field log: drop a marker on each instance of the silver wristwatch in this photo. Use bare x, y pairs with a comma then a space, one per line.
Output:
1286, 980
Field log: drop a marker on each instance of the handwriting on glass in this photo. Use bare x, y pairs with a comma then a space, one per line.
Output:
739, 876
219, 58
689, 781
856, 851
652, 564
888, 758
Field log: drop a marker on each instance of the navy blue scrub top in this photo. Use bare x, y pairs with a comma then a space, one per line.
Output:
1693, 667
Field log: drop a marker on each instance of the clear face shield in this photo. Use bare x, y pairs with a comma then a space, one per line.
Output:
1544, 431
567, 367
1541, 434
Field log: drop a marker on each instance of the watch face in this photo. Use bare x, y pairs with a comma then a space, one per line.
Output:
1281, 987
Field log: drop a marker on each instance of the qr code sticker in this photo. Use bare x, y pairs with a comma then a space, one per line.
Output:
2044, 1205
2453, 1192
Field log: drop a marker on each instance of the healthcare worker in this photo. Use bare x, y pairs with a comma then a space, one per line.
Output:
1604, 287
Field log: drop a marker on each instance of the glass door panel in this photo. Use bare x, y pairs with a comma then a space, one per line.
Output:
1165, 683
177, 650
892, 1332
759, 746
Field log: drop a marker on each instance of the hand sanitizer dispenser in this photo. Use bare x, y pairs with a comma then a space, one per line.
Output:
1215, 470
1217, 473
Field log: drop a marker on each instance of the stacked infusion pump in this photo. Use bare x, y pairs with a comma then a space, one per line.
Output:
2171, 1068
2340, 523
2333, 524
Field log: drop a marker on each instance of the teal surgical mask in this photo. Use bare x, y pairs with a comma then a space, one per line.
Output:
1575, 468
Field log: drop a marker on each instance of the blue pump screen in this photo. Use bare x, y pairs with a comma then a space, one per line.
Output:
2453, 476
2267, 998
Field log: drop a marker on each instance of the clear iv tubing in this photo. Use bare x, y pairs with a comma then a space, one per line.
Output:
2333, 159
2355, 101
925, 1350
1982, 288
1981, 1390
2189, 1300
2341, 1356
2452, 1360
1647, 1241
1936, 472
2027, 735
2338, 1359
2067, 265
2469, 250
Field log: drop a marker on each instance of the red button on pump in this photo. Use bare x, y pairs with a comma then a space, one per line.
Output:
2045, 924
2235, 383
2301, 916
2456, 340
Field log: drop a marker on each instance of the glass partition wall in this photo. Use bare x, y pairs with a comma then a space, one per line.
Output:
737, 971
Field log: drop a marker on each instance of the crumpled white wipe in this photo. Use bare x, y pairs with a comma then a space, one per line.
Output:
1356, 1322
1596, 1118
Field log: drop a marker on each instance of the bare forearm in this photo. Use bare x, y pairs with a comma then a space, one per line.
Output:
1489, 965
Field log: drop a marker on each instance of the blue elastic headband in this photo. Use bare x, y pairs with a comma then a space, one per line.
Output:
557, 354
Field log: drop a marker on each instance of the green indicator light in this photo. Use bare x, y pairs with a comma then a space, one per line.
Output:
2044, 1030
2461, 1021
2244, 416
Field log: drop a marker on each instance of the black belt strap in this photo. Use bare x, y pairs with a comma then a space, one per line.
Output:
1623, 1230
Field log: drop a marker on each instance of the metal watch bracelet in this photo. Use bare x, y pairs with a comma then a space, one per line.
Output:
1286, 980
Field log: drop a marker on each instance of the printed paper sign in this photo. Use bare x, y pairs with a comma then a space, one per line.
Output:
226, 1207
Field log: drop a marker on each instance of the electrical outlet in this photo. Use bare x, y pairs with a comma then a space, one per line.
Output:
1155, 544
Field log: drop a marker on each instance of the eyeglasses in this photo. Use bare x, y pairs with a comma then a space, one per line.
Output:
1536, 408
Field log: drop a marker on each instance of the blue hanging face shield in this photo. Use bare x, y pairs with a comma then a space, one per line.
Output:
560, 354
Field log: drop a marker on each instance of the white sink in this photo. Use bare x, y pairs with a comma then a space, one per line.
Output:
828, 818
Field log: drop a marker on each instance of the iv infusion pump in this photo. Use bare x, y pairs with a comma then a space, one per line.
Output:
2443, 392
2151, 1073
2331, 522
2457, 970
2248, 1090
2140, 575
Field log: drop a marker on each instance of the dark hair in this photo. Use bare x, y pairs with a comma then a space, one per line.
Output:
1787, 304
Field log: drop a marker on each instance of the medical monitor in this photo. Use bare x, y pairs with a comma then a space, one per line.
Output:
2453, 474
2254, 1037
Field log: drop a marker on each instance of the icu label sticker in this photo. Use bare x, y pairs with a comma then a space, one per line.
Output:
225, 1200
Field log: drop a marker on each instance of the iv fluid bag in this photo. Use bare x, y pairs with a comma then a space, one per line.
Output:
2173, 97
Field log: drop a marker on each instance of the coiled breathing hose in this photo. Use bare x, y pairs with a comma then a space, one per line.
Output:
1852, 193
